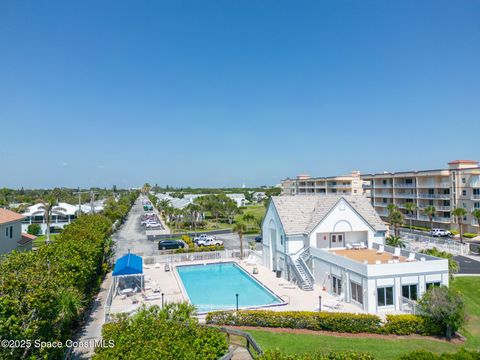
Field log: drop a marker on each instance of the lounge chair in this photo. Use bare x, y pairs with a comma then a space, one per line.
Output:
289, 286
250, 260
411, 257
377, 262
381, 249
348, 246
396, 254
362, 245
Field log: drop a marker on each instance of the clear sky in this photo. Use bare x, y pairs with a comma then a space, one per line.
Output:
220, 93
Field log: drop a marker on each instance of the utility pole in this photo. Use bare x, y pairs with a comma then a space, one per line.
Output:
92, 200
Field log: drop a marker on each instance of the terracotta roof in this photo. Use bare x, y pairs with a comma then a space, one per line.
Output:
463, 162
7, 216
26, 238
29, 236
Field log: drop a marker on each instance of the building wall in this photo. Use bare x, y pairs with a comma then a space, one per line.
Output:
274, 240
8, 244
343, 219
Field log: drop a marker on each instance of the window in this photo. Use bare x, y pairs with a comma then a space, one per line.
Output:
334, 238
409, 291
464, 180
340, 238
336, 285
281, 239
464, 192
385, 296
476, 191
11, 232
433, 284
357, 292
6, 231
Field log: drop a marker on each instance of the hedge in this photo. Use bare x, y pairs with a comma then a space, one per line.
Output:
344, 355
326, 321
463, 354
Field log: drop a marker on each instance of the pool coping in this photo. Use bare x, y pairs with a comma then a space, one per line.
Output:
185, 293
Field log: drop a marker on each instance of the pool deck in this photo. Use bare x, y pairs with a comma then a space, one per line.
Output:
170, 285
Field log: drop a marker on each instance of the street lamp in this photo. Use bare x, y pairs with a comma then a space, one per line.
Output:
319, 303
236, 295
162, 300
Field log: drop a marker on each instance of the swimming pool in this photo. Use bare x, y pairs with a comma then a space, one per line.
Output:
214, 287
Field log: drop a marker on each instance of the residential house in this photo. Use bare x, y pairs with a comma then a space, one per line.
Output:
11, 236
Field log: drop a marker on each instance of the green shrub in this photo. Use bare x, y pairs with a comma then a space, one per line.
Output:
338, 322
200, 249
469, 235
343, 355
34, 229
410, 324
463, 354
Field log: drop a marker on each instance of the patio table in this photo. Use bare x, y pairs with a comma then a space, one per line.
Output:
356, 246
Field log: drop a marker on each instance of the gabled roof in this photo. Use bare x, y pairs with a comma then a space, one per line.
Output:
129, 264
301, 214
7, 216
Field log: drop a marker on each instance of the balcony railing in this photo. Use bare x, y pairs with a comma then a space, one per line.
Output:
345, 186
378, 194
442, 185
383, 186
476, 197
410, 186
381, 204
405, 195
434, 196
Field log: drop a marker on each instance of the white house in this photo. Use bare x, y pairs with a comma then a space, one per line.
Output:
238, 198
11, 236
338, 243
62, 215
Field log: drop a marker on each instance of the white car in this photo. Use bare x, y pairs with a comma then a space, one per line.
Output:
203, 237
152, 224
440, 233
209, 242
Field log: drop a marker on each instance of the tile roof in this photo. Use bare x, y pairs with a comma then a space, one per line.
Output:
7, 216
301, 214
26, 238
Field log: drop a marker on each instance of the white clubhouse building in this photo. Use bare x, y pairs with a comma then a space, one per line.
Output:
338, 242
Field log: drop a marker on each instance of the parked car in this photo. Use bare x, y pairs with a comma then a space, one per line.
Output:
258, 238
152, 224
209, 242
203, 237
440, 233
170, 244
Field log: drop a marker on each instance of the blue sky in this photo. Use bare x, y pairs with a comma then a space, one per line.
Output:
220, 93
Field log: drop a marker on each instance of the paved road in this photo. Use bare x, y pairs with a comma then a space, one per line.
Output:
468, 265
232, 242
132, 235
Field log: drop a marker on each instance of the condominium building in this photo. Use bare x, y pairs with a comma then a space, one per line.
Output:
333, 185
445, 189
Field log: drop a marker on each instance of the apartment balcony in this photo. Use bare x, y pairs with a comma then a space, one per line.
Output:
476, 197
405, 186
340, 186
382, 186
443, 208
405, 196
381, 194
435, 219
474, 222
367, 186
410, 217
381, 204
382, 213
435, 196
441, 185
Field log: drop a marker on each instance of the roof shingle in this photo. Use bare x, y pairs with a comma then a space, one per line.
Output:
301, 214
7, 216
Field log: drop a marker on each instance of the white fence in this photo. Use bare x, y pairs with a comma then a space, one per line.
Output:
419, 242
194, 256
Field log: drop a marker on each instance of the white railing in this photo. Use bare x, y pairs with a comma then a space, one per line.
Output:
410, 186
417, 242
196, 256
405, 195
433, 185
476, 197
204, 308
435, 219
434, 196
377, 194
381, 204
408, 306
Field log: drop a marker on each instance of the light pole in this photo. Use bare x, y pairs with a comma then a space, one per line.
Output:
236, 295
162, 301
319, 303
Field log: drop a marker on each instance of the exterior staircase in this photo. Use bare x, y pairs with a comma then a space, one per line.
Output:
306, 277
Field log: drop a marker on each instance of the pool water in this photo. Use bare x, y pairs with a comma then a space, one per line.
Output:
213, 287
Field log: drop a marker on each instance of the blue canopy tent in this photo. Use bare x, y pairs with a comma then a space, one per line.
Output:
128, 266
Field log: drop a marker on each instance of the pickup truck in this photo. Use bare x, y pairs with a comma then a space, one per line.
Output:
209, 241
440, 233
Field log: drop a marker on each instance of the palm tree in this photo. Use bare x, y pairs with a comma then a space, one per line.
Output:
395, 241
240, 228
248, 218
395, 218
68, 306
476, 215
48, 203
411, 207
459, 213
163, 204
391, 207
193, 210
430, 212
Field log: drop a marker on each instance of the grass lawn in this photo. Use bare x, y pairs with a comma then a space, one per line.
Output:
41, 240
256, 210
469, 286
379, 347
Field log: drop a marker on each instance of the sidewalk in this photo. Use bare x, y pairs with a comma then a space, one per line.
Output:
92, 329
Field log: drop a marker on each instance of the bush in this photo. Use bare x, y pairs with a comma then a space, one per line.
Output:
344, 355
469, 235
338, 322
410, 324
445, 308
200, 249
34, 229
169, 334
427, 355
